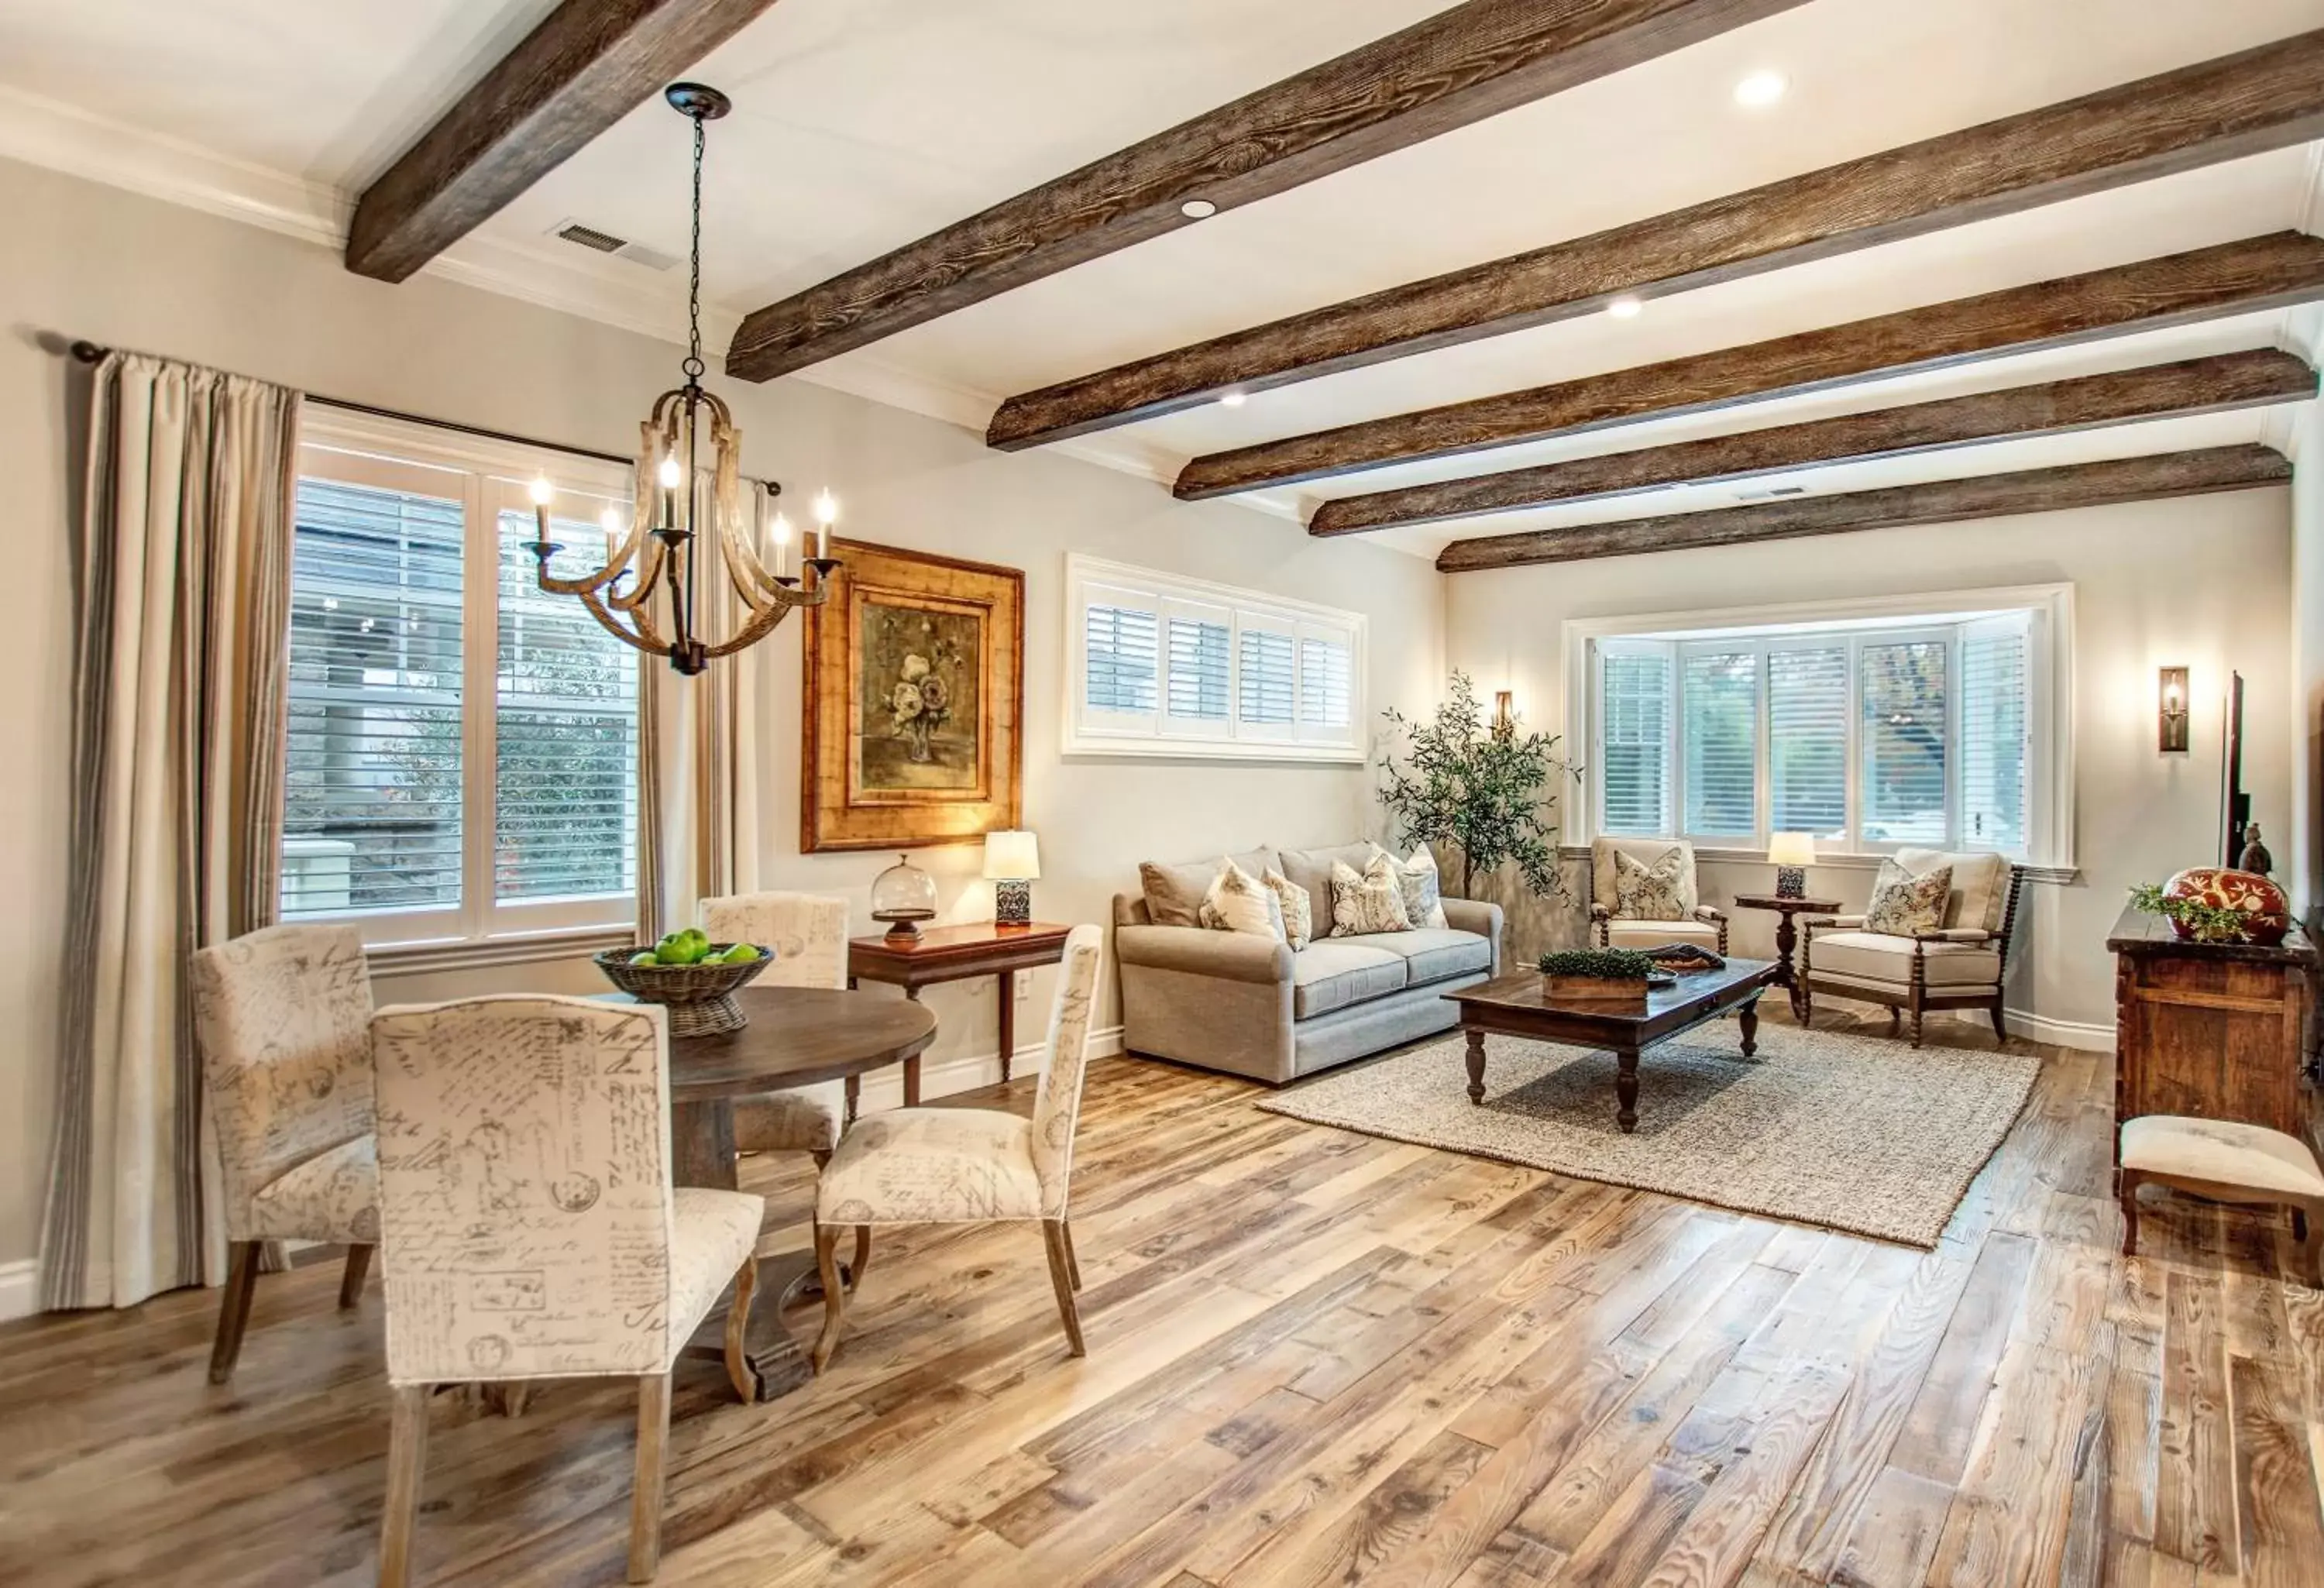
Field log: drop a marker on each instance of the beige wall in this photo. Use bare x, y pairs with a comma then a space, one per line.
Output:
78, 260
2204, 582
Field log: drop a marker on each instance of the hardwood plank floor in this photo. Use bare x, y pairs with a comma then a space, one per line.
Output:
1314, 1358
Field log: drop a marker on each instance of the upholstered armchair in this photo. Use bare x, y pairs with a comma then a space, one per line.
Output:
282, 1016
528, 1227
957, 1166
1960, 965
1691, 921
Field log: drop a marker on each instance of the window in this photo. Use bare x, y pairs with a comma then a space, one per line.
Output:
1159, 665
1936, 730
462, 749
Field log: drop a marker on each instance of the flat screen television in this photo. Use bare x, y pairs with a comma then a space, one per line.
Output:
2234, 805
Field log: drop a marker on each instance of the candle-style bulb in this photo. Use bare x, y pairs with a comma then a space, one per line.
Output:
668, 473
826, 509
543, 491
612, 519
781, 531
778, 534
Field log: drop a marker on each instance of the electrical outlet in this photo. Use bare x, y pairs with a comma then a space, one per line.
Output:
1024, 989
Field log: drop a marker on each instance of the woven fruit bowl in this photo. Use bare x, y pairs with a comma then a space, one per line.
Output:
700, 998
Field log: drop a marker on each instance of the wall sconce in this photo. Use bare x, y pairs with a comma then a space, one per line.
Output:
1505, 715
2170, 731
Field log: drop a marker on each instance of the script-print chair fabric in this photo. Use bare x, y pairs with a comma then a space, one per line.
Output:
283, 1018
807, 936
528, 1229
1961, 964
1691, 922
952, 1166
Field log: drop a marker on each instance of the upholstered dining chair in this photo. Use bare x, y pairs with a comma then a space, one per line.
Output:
283, 1018
1661, 905
954, 1165
528, 1227
806, 934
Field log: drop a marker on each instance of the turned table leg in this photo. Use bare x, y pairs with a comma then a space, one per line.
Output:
1476, 1067
1008, 1021
1747, 1018
912, 1065
1788, 938
1626, 1089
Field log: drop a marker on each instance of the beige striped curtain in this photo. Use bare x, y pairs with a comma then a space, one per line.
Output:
697, 776
180, 620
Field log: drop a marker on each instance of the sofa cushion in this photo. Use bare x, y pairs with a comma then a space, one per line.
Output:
1622, 934
1430, 954
1367, 901
1905, 904
1312, 870
1980, 886
1646, 852
1173, 893
1334, 974
1872, 956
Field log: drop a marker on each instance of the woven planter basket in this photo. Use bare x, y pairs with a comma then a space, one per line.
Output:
700, 998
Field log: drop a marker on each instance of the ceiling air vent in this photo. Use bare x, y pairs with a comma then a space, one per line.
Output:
591, 238
1770, 494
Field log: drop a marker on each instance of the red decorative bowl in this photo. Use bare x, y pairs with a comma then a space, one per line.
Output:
2268, 913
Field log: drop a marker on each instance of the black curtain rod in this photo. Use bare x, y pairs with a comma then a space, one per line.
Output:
90, 353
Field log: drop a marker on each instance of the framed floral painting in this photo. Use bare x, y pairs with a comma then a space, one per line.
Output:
913, 682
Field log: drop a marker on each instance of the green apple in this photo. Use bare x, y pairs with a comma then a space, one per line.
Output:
644, 956
740, 954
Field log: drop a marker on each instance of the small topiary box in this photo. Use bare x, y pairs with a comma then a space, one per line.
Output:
1596, 975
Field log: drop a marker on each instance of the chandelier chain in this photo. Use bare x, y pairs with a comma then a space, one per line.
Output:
694, 365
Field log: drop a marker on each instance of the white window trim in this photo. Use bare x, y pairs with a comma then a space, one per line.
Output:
1296, 741
496, 476
2051, 706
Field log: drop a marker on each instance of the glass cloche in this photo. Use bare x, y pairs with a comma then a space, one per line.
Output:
903, 895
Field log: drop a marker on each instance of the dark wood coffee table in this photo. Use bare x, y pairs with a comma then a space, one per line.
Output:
1516, 1005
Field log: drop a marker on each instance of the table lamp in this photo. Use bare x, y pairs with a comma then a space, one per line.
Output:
1791, 854
1012, 860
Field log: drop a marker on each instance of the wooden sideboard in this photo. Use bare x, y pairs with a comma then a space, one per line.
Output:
2213, 1030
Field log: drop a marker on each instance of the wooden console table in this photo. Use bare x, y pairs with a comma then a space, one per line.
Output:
2210, 1029
953, 953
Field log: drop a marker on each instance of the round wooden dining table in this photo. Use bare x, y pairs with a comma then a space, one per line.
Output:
796, 1037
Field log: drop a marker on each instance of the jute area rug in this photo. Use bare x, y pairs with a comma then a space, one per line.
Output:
1850, 1133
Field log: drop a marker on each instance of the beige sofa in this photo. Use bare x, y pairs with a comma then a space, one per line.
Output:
1238, 1003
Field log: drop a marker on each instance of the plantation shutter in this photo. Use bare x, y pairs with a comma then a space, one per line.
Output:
1198, 667
1267, 681
1807, 740
1994, 748
1121, 649
1906, 752
566, 732
1720, 730
1634, 719
371, 797
1327, 684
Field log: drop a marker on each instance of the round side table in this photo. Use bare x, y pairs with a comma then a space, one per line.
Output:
1787, 934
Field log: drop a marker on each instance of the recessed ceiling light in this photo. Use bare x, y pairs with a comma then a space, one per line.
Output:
1198, 209
1628, 306
1234, 399
1760, 90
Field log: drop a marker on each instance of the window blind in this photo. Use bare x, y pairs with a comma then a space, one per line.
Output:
1906, 758
1807, 740
1199, 662
371, 791
566, 751
1326, 685
1121, 649
1993, 739
1634, 773
1269, 678
1721, 735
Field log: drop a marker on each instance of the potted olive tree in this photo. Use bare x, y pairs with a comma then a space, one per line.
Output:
1489, 794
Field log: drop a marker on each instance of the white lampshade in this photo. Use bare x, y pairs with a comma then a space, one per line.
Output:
1791, 849
1012, 858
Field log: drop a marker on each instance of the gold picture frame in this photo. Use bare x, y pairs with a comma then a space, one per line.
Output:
913, 697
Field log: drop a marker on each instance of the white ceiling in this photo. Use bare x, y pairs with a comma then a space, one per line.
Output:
861, 124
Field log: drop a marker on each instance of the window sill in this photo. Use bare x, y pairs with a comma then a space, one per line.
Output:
413, 959
2063, 873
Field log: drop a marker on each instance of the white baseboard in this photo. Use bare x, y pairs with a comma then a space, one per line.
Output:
20, 1290
2093, 1039
941, 1078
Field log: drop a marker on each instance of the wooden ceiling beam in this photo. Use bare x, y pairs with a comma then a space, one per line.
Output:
1471, 61
2160, 390
2246, 277
2238, 105
589, 63
2040, 489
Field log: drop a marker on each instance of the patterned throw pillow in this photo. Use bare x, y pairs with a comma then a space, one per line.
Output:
1372, 902
1649, 892
1238, 901
1424, 902
1298, 909
1904, 905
